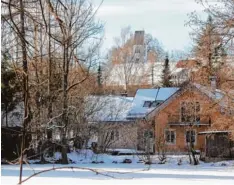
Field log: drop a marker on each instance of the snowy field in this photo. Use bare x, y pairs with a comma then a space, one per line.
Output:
118, 173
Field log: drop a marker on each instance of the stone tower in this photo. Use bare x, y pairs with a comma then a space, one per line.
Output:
139, 48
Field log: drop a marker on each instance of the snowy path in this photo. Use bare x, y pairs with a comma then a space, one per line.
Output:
158, 174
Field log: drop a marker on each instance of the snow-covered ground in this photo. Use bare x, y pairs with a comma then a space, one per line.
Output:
135, 173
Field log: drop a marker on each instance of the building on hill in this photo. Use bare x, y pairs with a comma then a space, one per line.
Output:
141, 75
183, 71
134, 67
133, 51
139, 48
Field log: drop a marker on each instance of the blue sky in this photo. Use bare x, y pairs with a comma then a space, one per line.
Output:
164, 19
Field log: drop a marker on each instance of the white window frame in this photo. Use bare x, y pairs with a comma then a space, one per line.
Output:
165, 136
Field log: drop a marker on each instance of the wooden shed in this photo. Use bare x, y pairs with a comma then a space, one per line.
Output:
218, 145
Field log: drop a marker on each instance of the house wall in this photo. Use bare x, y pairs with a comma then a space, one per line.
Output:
126, 139
145, 136
173, 108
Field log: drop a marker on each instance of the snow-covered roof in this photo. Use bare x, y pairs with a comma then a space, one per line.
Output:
222, 98
177, 70
108, 108
142, 95
216, 95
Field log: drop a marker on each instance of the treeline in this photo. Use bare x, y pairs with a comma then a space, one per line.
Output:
50, 50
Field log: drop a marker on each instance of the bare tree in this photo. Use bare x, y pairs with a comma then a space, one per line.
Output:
215, 47
77, 28
132, 60
72, 36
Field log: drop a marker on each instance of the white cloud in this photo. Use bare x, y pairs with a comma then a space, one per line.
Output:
134, 7
164, 19
111, 10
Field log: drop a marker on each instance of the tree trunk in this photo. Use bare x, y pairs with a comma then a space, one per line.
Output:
64, 117
42, 159
190, 159
25, 86
49, 71
64, 149
6, 117
195, 160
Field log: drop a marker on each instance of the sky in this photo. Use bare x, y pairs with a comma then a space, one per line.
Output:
164, 19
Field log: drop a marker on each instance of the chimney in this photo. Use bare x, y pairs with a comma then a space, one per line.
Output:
213, 83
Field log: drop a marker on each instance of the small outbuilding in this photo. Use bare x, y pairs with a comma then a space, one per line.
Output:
218, 145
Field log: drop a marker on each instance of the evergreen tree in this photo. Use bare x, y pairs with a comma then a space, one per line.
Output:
10, 89
99, 76
166, 74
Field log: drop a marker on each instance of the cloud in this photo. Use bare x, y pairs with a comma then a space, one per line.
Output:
162, 18
136, 7
112, 10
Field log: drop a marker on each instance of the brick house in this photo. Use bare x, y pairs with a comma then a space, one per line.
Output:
144, 102
189, 111
120, 121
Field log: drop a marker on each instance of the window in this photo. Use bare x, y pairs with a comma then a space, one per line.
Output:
148, 134
148, 138
190, 112
170, 136
151, 104
190, 136
147, 104
114, 135
155, 103
137, 50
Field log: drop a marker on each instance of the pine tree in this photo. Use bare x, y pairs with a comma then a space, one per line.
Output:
99, 76
9, 88
166, 74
